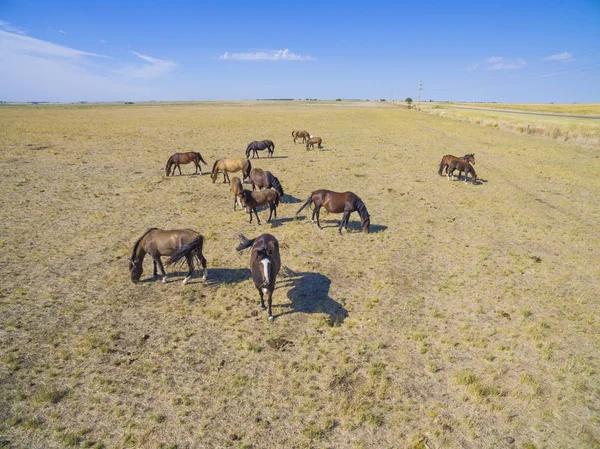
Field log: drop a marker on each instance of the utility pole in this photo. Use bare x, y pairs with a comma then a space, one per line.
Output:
419, 99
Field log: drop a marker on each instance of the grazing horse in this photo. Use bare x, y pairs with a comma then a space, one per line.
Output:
260, 145
177, 243
462, 166
251, 200
449, 158
265, 179
265, 263
184, 158
236, 189
311, 143
231, 166
297, 134
336, 202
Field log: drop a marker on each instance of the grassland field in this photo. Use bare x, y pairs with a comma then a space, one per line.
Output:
468, 318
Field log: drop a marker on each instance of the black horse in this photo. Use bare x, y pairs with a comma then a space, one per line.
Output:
260, 145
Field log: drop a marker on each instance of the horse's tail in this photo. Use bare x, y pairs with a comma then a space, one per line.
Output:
247, 170
244, 242
441, 167
308, 201
135, 246
277, 197
192, 248
200, 157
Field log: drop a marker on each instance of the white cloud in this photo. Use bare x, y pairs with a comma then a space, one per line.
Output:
472, 67
154, 68
499, 63
8, 27
102, 41
16, 43
560, 57
267, 55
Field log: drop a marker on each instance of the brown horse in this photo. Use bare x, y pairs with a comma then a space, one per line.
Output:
449, 158
184, 158
231, 166
177, 243
265, 263
265, 179
236, 189
462, 166
297, 134
251, 200
336, 202
311, 143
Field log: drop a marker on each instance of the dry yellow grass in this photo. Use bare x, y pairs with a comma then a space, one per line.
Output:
572, 109
468, 319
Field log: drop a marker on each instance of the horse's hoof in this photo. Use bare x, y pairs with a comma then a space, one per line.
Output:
271, 318
185, 281
263, 308
164, 280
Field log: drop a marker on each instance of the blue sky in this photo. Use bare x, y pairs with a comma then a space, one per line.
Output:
509, 51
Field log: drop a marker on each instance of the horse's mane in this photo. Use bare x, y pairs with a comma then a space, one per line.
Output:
215, 165
135, 247
170, 160
274, 182
361, 208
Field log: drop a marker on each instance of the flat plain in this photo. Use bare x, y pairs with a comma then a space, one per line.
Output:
467, 318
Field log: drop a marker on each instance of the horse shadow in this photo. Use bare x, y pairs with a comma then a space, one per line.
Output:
227, 275
309, 293
280, 221
291, 199
278, 157
353, 226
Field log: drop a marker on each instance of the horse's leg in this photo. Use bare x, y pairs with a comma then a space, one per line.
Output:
318, 210
234, 202
256, 213
162, 269
253, 185
270, 212
269, 302
179, 167
347, 220
313, 215
344, 218
203, 263
262, 299
275, 209
155, 272
251, 215
189, 259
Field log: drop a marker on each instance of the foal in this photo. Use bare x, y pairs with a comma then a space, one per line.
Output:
251, 200
236, 189
462, 166
265, 179
265, 263
311, 143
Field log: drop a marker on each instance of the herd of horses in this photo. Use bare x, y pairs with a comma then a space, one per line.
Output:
181, 245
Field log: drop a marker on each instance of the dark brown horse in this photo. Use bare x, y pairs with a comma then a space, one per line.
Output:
336, 202
236, 189
265, 263
260, 145
297, 134
265, 179
184, 158
462, 166
250, 200
179, 244
449, 158
312, 141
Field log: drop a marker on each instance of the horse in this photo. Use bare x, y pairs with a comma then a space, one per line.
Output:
184, 158
176, 243
265, 263
336, 202
462, 166
449, 158
260, 145
311, 143
231, 166
265, 179
296, 134
251, 200
236, 189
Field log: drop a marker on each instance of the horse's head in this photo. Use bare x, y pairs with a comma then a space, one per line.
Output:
168, 170
365, 224
136, 269
470, 158
242, 198
213, 176
248, 151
